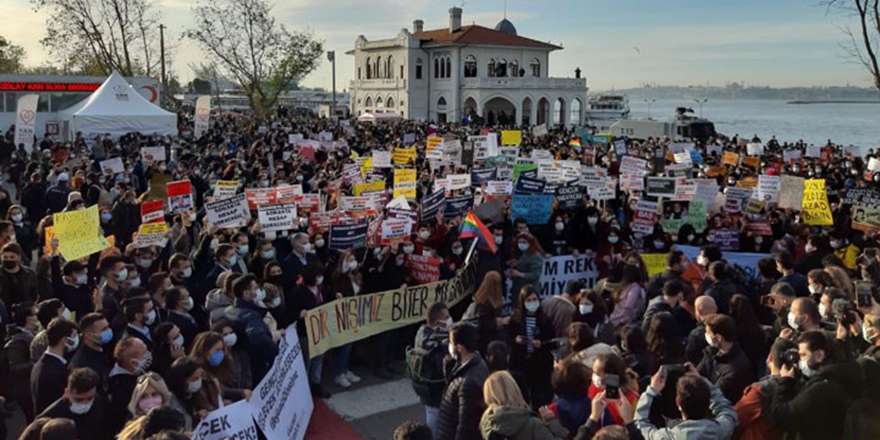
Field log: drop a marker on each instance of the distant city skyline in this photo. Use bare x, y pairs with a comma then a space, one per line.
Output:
618, 44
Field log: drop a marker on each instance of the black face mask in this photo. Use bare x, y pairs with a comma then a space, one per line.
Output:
10, 264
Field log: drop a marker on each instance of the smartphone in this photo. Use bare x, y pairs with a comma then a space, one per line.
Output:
612, 386
863, 294
674, 368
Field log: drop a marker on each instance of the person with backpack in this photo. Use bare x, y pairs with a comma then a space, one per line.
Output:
426, 361
753, 409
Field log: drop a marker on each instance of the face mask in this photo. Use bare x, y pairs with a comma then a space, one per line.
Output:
307, 248
592, 220
659, 244
319, 280
268, 255
759, 239
178, 341
560, 226
809, 248
243, 249
613, 239
194, 387
72, 343
822, 310
424, 234
452, 352
189, 304
499, 239
274, 303
82, 279
792, 321
145, 263
377, 252
814, 290
597, 382
457, 250
214, 243
216, 358
16, 218
711, 341
532, 306
149, 403
106, 336
400, 262
106, 217
66, 314
143, 364
408, 249
349, 266
804, 366
523, 246
260, 295
151, 317
186, 273
319, 243
135, 282
230, 339
81, 408
192, 216
447, 324
585, 309
702, 261
836, 244
691, 237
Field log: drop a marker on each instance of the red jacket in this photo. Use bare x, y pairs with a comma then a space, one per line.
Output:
753, 423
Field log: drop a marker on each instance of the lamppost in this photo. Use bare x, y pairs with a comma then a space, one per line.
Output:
701, 102
650, 102
331, 56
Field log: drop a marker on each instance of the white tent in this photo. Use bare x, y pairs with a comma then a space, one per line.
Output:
116, 108
379, 117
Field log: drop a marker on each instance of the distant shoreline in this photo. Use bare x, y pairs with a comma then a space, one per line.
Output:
854, 101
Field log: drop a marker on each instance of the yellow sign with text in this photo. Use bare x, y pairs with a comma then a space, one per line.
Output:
405, 183
815, 210
403, 156
511, 137
79, 233
360, 188
656, 263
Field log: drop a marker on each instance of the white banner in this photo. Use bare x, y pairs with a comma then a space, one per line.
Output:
559, 271
279, 217
26, 121
230, 422
228, 213
203, 115
282, 403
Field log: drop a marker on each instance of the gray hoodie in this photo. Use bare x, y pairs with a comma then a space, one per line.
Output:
719, 427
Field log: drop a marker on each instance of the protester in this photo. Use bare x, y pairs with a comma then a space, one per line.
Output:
462, 402
509, 416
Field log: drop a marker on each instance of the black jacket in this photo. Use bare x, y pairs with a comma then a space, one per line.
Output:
695, 344
655, 287
462, 405
721, 291
99, 361
247, 321
816, 411
870, 363
91, 425
731, 372
48, 381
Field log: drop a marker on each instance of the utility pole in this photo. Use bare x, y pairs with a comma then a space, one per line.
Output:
162, 59
331, 56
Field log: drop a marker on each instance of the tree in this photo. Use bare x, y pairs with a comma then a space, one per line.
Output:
864, 42
103, 35
244, 41
11, 57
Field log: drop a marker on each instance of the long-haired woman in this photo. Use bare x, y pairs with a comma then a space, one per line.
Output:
508, 416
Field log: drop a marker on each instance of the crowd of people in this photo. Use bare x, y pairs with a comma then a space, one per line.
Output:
139, 343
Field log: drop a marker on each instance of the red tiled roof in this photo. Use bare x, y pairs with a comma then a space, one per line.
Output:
474, 34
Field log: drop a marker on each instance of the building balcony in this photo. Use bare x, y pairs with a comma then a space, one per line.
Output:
525, 83
378, 84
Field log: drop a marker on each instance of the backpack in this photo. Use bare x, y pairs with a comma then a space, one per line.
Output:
426, 371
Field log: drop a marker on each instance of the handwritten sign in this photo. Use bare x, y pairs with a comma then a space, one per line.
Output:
78, 233
815, 209
228, 213
280, 217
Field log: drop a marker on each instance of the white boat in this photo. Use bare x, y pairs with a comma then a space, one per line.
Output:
604, 110
683, 126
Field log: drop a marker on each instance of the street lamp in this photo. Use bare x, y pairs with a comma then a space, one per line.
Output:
701, 102
650, 102
331, 56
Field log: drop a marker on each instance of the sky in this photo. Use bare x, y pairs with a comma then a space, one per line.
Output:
617, 43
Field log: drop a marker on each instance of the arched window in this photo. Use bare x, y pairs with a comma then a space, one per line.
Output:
436, 67
359, 73
536, 67
491, 67
389, 103
380, 103
389, 71
442, 68
514, 68
470, 67
380, 67
448, 67
419, 68
575, 112
441, 103
502, 68
369, 69
368, 103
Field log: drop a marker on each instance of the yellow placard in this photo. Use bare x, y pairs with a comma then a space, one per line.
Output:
815, 210
153, 228
730, 158
432, 143
753, 162
360, 188
79, 233
366, 166
403, 156
511, 137
405, 183
748, 182
656, 263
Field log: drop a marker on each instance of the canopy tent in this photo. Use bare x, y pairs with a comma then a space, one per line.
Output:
379, 117
116, 108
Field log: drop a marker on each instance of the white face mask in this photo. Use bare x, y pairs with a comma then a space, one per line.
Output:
186, 273
135, 282
243, 249
592, 220
82, 279
268, 254
597, 382
151, 317
532, 306
809, 248
702, 260
81, 408
447, 323
72, 343
408, 249
349, 266
691, 237
804, 366
122, 274
178, 341
792, 321
711, 341
189, 304
585, 309
319, 280
319, 243
560, 226
814, 290
452, 352
613, 239
523, 246
194, 387
424, 234
230, 339
822, 310
233, 259
499, 239
17, 218
260, 295
214, 243
457, 250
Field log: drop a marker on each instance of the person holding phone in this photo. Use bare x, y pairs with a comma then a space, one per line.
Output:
611, 379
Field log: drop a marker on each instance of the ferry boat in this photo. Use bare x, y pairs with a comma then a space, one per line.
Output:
604, 110
683, 126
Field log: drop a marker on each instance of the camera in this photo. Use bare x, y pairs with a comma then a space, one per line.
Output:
790, 357
844, 311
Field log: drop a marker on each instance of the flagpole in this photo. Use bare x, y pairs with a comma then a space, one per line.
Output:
471, 251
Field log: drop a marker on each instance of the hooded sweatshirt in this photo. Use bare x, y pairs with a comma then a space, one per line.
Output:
516, 423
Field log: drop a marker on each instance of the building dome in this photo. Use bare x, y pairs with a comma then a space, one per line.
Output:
506, 26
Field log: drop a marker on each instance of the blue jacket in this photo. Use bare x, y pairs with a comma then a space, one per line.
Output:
247, 321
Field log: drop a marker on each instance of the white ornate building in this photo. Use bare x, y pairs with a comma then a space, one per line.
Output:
448, 74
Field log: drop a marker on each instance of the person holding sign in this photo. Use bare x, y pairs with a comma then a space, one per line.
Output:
247, 319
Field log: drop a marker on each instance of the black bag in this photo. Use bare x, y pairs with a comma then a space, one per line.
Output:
426, 372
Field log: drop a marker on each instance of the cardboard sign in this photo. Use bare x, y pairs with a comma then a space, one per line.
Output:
228, 213
79, 233
281, 403
458, 181
381, 159
815, 209
730, 159
348, 237
152, 234
511, 137
112, 166
153, 211
224, 189
791, 192
405, 183
180, 198
280, 217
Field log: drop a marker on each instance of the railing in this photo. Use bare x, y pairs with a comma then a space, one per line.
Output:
524, 83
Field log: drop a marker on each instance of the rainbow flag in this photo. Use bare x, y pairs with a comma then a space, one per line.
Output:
575, 143
472, 227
